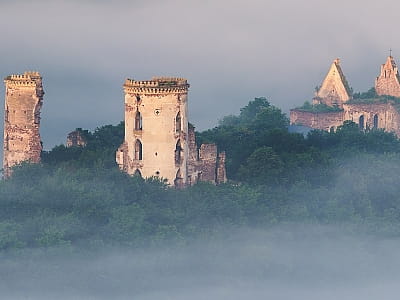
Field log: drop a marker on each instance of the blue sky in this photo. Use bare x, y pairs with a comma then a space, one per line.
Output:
230, 51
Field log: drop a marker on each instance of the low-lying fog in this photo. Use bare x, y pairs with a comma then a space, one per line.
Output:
289, 262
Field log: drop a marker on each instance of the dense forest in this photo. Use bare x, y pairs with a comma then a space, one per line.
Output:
77, 196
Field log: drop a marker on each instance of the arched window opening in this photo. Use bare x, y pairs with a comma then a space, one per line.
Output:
138, 121
178, 152
361, 122
178, 182
138, 150
137, 173
332, 129
376, 122
178, 122
138, 98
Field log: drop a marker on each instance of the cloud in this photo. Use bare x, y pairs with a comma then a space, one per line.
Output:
231, 51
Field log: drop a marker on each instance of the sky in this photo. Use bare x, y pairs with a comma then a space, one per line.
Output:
230, 52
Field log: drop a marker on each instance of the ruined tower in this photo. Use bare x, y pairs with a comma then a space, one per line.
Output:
388, 82
23, 101
156, 129
334, 90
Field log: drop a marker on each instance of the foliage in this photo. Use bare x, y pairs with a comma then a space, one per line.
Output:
78, 197
318, 108
370, 94
99, 151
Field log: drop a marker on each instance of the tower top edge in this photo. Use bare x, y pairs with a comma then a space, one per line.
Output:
25, 77
158, 82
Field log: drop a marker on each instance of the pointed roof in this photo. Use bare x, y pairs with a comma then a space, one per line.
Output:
335, 84
390, 65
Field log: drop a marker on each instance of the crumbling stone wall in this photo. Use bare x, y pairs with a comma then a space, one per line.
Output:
205, 164
221, 171
23, 101
317, 120
367, 115
388, 82
76, 139
374, 115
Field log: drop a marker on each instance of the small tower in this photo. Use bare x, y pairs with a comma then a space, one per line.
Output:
388, 82
23, 101
156, 129
334, 90
77, 138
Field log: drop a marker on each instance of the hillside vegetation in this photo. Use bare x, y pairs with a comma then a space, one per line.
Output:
77, 196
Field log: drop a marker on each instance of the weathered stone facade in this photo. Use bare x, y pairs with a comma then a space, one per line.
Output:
157, 139
205, 164
76, 139
369, 115
23, 101
322, 121
388, 82
334, 90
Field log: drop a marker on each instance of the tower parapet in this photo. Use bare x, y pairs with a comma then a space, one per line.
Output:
157, 85
23, 101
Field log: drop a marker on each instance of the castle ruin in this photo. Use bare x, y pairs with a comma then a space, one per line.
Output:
388, 82
158, 141
23, 101
340, 106
76, 138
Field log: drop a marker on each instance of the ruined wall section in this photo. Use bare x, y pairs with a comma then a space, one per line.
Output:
374, 115
205, 164
221, 171
321, 120
208, 158
23, 101
388, 82
76, 139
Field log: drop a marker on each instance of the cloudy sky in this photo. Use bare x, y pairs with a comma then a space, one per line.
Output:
230, 50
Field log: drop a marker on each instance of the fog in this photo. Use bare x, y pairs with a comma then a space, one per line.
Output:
286, 262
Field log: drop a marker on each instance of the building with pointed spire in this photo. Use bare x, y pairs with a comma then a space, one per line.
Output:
373, 112
388, 82
334, 90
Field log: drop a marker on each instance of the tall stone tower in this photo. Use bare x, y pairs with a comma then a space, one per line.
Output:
23, 101
156, 129
334, 90
388, 82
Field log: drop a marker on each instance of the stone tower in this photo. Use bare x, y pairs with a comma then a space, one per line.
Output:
334, 90
23, 101
156, 129
388, 82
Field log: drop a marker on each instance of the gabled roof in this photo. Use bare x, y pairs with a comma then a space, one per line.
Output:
335, 82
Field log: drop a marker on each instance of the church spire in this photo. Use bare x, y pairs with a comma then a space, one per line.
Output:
388, 82
335, 89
